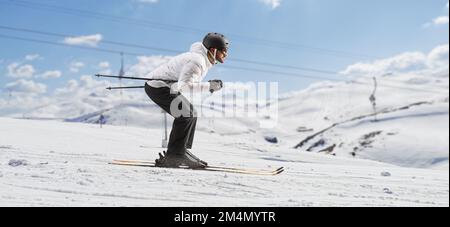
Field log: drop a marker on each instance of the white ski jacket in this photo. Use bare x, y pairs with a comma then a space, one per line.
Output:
188, 69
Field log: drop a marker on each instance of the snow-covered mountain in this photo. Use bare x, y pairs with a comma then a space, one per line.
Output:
410, 129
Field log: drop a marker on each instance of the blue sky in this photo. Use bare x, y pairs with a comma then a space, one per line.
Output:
327, 35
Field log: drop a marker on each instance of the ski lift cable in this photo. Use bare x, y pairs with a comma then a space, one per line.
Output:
177, 28
278, 73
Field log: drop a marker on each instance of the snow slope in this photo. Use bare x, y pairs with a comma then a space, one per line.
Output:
413, 131
51, 163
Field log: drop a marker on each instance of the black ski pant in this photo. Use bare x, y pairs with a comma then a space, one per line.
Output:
183, 128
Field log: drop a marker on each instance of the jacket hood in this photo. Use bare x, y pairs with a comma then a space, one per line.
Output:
199, 48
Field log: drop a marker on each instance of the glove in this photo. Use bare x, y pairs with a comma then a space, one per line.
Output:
215, 85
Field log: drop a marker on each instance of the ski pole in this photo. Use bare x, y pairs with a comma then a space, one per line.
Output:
134, 78
118, 88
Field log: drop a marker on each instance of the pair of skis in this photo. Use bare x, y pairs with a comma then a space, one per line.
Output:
258, 172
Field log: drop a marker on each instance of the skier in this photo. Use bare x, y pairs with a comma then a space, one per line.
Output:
187, 71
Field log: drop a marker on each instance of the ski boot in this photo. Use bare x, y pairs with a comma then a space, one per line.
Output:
196, 158
173, 160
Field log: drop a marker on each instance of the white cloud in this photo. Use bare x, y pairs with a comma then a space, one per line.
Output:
438, 57
15, 70
434, 62
397, 63
78, 97
71, 85
70, 88
76, 66
51, 74
272, 3
32, 57
441, 20
104, 64
146, 64
80, 89
26, 86
89, 87
90, 40
105, 68
148, 1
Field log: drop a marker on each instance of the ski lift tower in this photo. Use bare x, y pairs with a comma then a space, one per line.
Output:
122, 74
373, 99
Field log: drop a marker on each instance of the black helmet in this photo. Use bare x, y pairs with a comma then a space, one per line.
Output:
216, 40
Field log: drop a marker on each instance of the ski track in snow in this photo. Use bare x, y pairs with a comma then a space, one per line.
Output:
66, 165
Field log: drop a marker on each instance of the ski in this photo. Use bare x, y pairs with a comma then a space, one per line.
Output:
214, 167
209, 168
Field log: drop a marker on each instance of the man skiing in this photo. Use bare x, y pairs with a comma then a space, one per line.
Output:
181, 75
